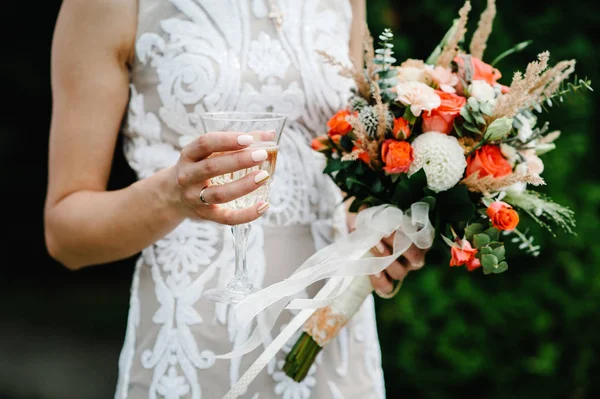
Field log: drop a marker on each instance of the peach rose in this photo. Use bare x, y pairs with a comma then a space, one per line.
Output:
481, 70
338, 125
464, 254
397, 156
320, 144
488, 161
401, 129
443, 78
503, 216
442, 118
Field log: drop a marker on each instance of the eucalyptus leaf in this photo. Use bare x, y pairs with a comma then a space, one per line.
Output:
473, 229
489, 261
464, 112
502, 267
500, 252
480, 240
473, 103
493, 233
472, 128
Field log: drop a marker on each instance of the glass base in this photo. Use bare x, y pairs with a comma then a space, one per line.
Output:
226, 295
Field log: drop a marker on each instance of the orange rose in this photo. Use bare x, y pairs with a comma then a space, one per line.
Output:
362, 154
320, 144
488, 161
338, 125
481, 70
401, 130
397, 156
441, 119
503, 216
464, 254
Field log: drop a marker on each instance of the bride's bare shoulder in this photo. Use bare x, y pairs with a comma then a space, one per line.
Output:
110, 22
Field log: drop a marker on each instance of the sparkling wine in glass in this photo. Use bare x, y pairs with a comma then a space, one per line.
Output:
266, 128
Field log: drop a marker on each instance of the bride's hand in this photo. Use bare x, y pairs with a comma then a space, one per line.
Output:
412, 259
196, 167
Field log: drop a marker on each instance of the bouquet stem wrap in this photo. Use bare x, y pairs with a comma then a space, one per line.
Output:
324, 325
340, 263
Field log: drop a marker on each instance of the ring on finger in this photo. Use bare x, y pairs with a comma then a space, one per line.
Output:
202, 196
391, 294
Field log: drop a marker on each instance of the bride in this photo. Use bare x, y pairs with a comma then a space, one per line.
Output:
146, 69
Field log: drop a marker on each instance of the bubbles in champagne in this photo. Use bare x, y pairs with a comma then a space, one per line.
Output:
261, 193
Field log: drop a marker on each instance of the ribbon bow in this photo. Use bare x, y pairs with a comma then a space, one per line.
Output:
339, 262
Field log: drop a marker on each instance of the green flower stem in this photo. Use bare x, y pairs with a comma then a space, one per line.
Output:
301, 358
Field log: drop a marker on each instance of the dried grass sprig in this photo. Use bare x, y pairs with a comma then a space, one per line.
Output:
357, 75
451, 48
551, 80
484, 29
490, 184
519, 96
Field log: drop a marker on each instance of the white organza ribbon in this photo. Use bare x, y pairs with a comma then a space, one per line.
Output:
339, 262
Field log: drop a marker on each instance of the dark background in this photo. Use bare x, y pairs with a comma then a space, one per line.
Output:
529, 333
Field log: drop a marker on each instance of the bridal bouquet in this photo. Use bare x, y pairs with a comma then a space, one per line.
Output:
444, 141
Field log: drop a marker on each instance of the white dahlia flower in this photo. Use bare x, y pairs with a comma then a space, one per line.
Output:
441, 157
418, 96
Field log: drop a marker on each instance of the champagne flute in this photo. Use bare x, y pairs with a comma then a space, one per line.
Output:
266, 129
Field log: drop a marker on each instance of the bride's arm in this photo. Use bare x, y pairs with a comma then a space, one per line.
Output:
84, 223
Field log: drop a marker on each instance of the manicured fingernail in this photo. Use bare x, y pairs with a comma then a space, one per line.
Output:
245, 139
380, 248
377, 275
261, 176
263, 208
259, 155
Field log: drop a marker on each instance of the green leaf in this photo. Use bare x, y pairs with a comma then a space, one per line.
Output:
333, 165
472, 229
457, 129
493, 233
500, 252
489, 263
464, 112
502, 267
518, 47
480, 240
388, 74
472, 128
473, 103
487, 108
486, 250
378, 186
478, 118
498, 129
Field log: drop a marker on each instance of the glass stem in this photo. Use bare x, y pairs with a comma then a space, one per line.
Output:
240, 282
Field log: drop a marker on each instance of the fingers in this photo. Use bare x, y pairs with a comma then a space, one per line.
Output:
208, 143
415, 258
381, 283
233, 217
196, 172
396, 270
221, 194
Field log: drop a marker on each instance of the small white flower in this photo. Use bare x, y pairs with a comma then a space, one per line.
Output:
525, 130
441, 157
418, 96
482, 91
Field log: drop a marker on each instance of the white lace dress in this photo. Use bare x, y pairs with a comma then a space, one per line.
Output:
215, 55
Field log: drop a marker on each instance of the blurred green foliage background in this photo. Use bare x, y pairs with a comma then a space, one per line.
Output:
532, 332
